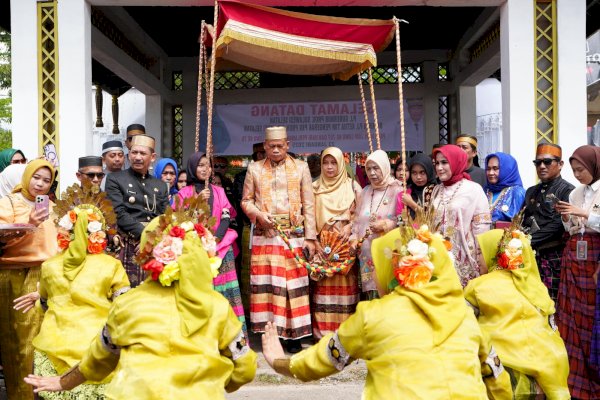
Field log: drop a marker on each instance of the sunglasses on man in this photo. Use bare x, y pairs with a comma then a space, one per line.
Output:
92, 175
545, 161
220, 165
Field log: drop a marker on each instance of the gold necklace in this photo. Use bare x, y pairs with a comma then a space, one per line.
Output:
373, 217
501, 196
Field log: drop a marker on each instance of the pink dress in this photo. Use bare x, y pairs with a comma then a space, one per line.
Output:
226, 282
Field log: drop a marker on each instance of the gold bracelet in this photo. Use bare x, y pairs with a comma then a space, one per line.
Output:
72, 378
282, 366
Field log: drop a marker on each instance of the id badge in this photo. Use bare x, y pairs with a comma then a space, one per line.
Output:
582, 250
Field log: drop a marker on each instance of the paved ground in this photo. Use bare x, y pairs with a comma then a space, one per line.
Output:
346, 385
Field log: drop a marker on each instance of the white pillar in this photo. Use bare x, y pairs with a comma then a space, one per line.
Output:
518, 86
572, 95
467, 108
154, 120
431, 106
75, 86
25, 121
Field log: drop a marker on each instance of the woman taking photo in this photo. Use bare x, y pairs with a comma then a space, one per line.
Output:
420, 187
334, 297
577, 289
461, 209
375, 215
20, 272
504, 189
199, 171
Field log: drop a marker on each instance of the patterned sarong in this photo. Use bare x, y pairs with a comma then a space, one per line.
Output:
575, 315
227, 284
18, 330
279, 288
135, 273
595, 356
549, 261
334, 300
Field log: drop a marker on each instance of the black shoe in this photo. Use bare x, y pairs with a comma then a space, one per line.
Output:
293, 346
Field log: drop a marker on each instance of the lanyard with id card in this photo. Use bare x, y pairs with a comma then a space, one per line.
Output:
582, 249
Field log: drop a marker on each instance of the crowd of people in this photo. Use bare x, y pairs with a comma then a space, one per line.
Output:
448, 278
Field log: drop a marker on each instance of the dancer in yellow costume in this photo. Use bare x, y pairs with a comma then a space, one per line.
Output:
419, 341
514, 308
77, 287
173, 337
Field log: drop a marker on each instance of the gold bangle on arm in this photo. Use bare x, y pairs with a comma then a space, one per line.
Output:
282, 366
72, 378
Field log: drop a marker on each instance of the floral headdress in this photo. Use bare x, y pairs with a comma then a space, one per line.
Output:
412, 251
85, 198
510, 248
164, 244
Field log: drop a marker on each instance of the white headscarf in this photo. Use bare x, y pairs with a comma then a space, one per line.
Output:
11, 177
382, 160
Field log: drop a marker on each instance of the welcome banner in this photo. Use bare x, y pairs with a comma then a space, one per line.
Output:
313, 126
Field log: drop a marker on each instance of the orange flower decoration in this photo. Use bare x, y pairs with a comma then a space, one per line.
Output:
72, 216
515, 262
93, 217
63, 240
413, 277
415, 261
97, 237
96, 248
423, 234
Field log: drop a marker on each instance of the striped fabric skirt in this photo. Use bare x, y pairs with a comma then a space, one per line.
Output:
575, 314
279, 288
334, 299
227, 284
135, 273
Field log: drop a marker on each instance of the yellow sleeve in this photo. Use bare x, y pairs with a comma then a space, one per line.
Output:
471, 298
101, 358
120, 282
333, 352
233, 345
495, 377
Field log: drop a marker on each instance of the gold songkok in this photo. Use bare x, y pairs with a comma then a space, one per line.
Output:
275, 132
545, 148
143, 140
467, 139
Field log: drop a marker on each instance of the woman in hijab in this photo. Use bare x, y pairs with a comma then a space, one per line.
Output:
504, 188
334, 297
577, 289
461, 210
420, 340
77, 288
173, 337
10, 177
514, 308
166, 171
375, 215
421, 184
11, 156
199, 170
20, 262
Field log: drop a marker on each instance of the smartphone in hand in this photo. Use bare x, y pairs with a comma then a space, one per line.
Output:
552, 199
42, 202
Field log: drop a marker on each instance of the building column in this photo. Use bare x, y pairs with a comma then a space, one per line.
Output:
518, 85
467, 109
25, 123
75, 83
431, 106
154, 120
572, 95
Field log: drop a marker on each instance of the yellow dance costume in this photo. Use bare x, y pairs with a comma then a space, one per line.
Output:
175, 339
515, 310
419, 343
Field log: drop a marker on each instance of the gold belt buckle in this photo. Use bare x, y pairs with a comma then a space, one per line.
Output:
283, 220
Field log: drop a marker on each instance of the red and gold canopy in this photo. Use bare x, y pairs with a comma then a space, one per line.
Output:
268, 39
